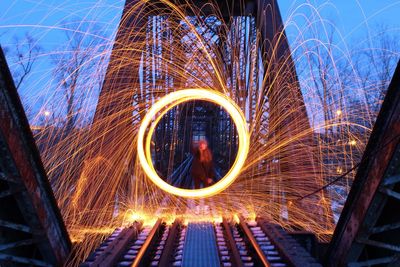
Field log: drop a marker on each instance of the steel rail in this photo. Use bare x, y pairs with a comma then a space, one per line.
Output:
236, 260
113, 252
253, 242
142, 252
166, 256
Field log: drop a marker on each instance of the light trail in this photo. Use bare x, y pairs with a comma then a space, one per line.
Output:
95, 168
170, 101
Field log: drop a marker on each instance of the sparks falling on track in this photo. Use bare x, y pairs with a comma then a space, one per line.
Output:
299, 140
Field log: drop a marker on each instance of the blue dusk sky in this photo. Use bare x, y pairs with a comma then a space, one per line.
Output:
41, 18
354, 20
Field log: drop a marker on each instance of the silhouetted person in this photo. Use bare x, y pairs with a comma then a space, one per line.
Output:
202, 166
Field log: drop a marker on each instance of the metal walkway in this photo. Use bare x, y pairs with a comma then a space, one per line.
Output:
200, 248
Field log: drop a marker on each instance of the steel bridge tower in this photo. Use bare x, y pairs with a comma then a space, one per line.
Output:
248, 56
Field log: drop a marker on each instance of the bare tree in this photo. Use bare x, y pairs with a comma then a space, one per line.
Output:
375, 63
323, 72
78, 70
23, 56
345, 86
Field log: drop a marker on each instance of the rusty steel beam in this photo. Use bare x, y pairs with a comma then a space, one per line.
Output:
372, 190
22, 173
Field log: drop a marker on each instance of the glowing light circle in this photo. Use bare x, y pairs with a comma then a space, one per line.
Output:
168, 102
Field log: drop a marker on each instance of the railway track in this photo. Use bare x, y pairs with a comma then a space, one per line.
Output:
198, 244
